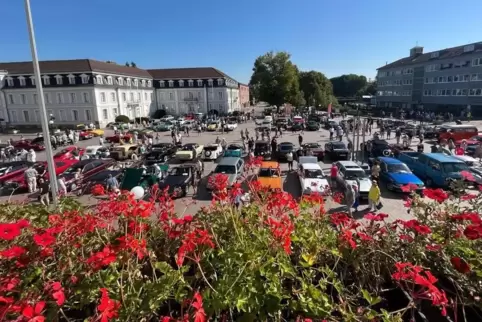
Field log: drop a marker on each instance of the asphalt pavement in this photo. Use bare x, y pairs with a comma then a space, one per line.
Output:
392, 202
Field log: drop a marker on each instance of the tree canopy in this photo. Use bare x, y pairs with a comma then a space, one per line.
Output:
277, 80
349, 85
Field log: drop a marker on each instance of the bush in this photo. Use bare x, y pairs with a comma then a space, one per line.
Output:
276, 259
122, 119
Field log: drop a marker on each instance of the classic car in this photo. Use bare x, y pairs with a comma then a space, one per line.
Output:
124, 152
117, 138
12, 169
101, 178
96, 132
477, 174
85, 135
230, 125
350, 172
166, 118
212, 151
70, 152
316, 150
283, 149
476, 139
395, 174
164, 126
233, 168
189, 151
234, 150
310, 174
336, 150
179, 179
269, 175
377, 148
330, 124
97, 152
160, 153
282, 122
262, 149
88, 168
213, 125
312, 126
297, 126
36, 144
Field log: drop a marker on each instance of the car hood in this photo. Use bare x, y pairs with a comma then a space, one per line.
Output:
231, 178
315, 185
364, 184
405, 178
340, 150
183, 152
173, 181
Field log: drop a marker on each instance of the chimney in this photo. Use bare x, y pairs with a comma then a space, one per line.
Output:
416, 51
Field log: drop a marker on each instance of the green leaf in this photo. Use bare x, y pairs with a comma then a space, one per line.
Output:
309, 259
370, 299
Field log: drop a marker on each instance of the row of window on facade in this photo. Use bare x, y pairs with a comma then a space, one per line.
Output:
454, 79
61, 116
192, 107
189, 95
394, 93
404, 71
24, 99
395, 82
190, 83
113, 97
59, 80
453, 92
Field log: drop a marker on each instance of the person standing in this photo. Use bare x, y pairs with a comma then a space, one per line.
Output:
44, 192
374, 197
300, 140
349, 198
376, 171
112, 184
31, 178
333, 175
289, 158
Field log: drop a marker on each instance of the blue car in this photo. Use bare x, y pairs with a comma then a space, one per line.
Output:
395, 174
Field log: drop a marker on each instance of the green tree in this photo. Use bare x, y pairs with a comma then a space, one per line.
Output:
133, 64
127, 64
348, 85
369, 89
275, 80
316, 88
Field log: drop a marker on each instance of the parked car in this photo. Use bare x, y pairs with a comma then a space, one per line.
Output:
96, 132
262, 149
189, 151
164, 126
100, 178
395, 174
269, 175
456, 132
36, 144
97, 152
88, 168
234, 150
316, 150
160, 153
312, 126
213, 125
117, 138
124, 152
336, 150
377, 148
284, 148
12, 169
231, 125
179, 179
68, 153
310, 174
350, 172
85, 135
212, 151
233, 168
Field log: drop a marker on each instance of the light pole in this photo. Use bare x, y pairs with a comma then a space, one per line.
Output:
43, 112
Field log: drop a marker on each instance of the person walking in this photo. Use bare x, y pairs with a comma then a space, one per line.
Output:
333, 176
376, 171
44, 192
349, 198
374, 197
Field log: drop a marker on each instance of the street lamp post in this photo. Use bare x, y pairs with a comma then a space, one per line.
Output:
43, 112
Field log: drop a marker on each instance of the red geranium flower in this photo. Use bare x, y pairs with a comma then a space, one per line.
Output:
409, 187
34, 312
13, 252
375, 217
468, 196
9, 231
98, 190
44, 240
467, 175
472, 217
436, 194
473, 232
108, 308
460, 265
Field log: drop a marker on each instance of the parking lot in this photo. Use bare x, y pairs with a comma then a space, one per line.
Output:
393, 203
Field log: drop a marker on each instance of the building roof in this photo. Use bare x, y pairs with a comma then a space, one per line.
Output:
73, 66
426, 57
187, 73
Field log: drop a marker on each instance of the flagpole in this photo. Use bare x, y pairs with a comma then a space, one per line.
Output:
41, 101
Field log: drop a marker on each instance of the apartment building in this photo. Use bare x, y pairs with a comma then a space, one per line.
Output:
244, 95
447, 80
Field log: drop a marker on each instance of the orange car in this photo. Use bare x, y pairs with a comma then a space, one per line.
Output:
269, 175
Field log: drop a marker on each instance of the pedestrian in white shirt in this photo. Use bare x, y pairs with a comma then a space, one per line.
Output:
31, 156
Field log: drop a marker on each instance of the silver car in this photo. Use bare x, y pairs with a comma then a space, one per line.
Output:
232, 167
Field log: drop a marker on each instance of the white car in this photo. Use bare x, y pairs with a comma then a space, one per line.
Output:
167, 118
97, 151
350, 172
312, 179
212, 151
230, 126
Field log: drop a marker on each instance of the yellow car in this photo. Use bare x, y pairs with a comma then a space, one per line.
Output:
269, 175
96, 132
213, 126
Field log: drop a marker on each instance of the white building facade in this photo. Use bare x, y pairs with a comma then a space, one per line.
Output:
75, 91
194, 90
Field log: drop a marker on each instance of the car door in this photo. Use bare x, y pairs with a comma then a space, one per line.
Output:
384, 175
301, 176
328, 147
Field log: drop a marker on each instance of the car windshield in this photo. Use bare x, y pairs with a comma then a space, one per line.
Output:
313, 174
454, 167
234, 147
339, 145
72, 170
225, 169
38, 140
355, 174
118, 149
398, 168
213, 123
286, 147
179, 172
268, 172
64, 151
261, 147
474, 138
188, 147
312, 145
211, 148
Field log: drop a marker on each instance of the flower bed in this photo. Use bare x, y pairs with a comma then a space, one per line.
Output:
276, 259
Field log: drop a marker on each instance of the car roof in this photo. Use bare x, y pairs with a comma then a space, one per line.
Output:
94, 146
311, 166
348, 163
389, 160
286, 143
269, 164
229, 161
443, 157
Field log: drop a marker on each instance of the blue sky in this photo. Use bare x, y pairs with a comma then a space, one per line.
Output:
334, 37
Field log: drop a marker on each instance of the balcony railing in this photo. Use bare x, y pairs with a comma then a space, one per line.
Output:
191, 99
133, 103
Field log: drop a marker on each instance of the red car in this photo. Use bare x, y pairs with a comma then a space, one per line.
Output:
116, 138
472, 141
12, 169
84, 135
69, 153
36, 144
88, 168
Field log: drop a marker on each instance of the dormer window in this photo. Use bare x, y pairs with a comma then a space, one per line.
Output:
58, 79
143, 83
71, 79
171, 83
220, 82
210, 82
110, 81
469, 48
199, 82
128, 82
190, 82
46, 80
162, 84
99, 80
32, 80
136, 82
120, 81
84, 78
181, 83
149, 83
434, 55
10, 81
22, 81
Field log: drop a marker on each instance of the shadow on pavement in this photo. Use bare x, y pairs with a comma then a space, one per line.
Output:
291, 185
